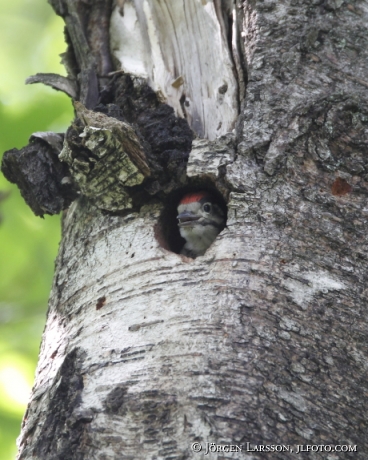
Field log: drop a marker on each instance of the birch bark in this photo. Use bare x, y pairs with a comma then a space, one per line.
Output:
262, 340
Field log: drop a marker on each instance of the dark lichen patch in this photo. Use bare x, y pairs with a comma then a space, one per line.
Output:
153, 408
114, 402
64, 429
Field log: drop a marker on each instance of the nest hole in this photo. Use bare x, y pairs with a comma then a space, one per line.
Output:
167, 230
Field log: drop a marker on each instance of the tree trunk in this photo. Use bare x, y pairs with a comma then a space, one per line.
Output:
262, 341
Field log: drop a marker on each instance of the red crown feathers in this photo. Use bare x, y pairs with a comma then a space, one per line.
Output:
193, 197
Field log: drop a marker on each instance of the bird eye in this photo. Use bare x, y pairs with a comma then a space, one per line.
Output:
207, 207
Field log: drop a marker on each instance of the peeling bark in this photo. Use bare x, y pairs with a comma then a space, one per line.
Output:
159, 41
263, 339
43, 181
105, 157
66, 85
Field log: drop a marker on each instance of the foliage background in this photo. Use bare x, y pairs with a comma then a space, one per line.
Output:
32, 39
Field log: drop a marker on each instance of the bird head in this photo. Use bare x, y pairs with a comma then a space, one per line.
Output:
200, 220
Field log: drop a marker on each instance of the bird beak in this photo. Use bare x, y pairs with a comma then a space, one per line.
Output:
185, 218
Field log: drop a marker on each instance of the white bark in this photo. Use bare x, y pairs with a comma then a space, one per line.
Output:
262, 339
145, 338
197, 77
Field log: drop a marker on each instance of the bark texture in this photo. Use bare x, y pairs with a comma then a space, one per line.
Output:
264, 338
44, 182
201, 79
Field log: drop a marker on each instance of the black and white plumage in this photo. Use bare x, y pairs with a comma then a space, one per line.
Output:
200, 220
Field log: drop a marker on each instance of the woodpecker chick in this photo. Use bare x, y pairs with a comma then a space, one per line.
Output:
201, 219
